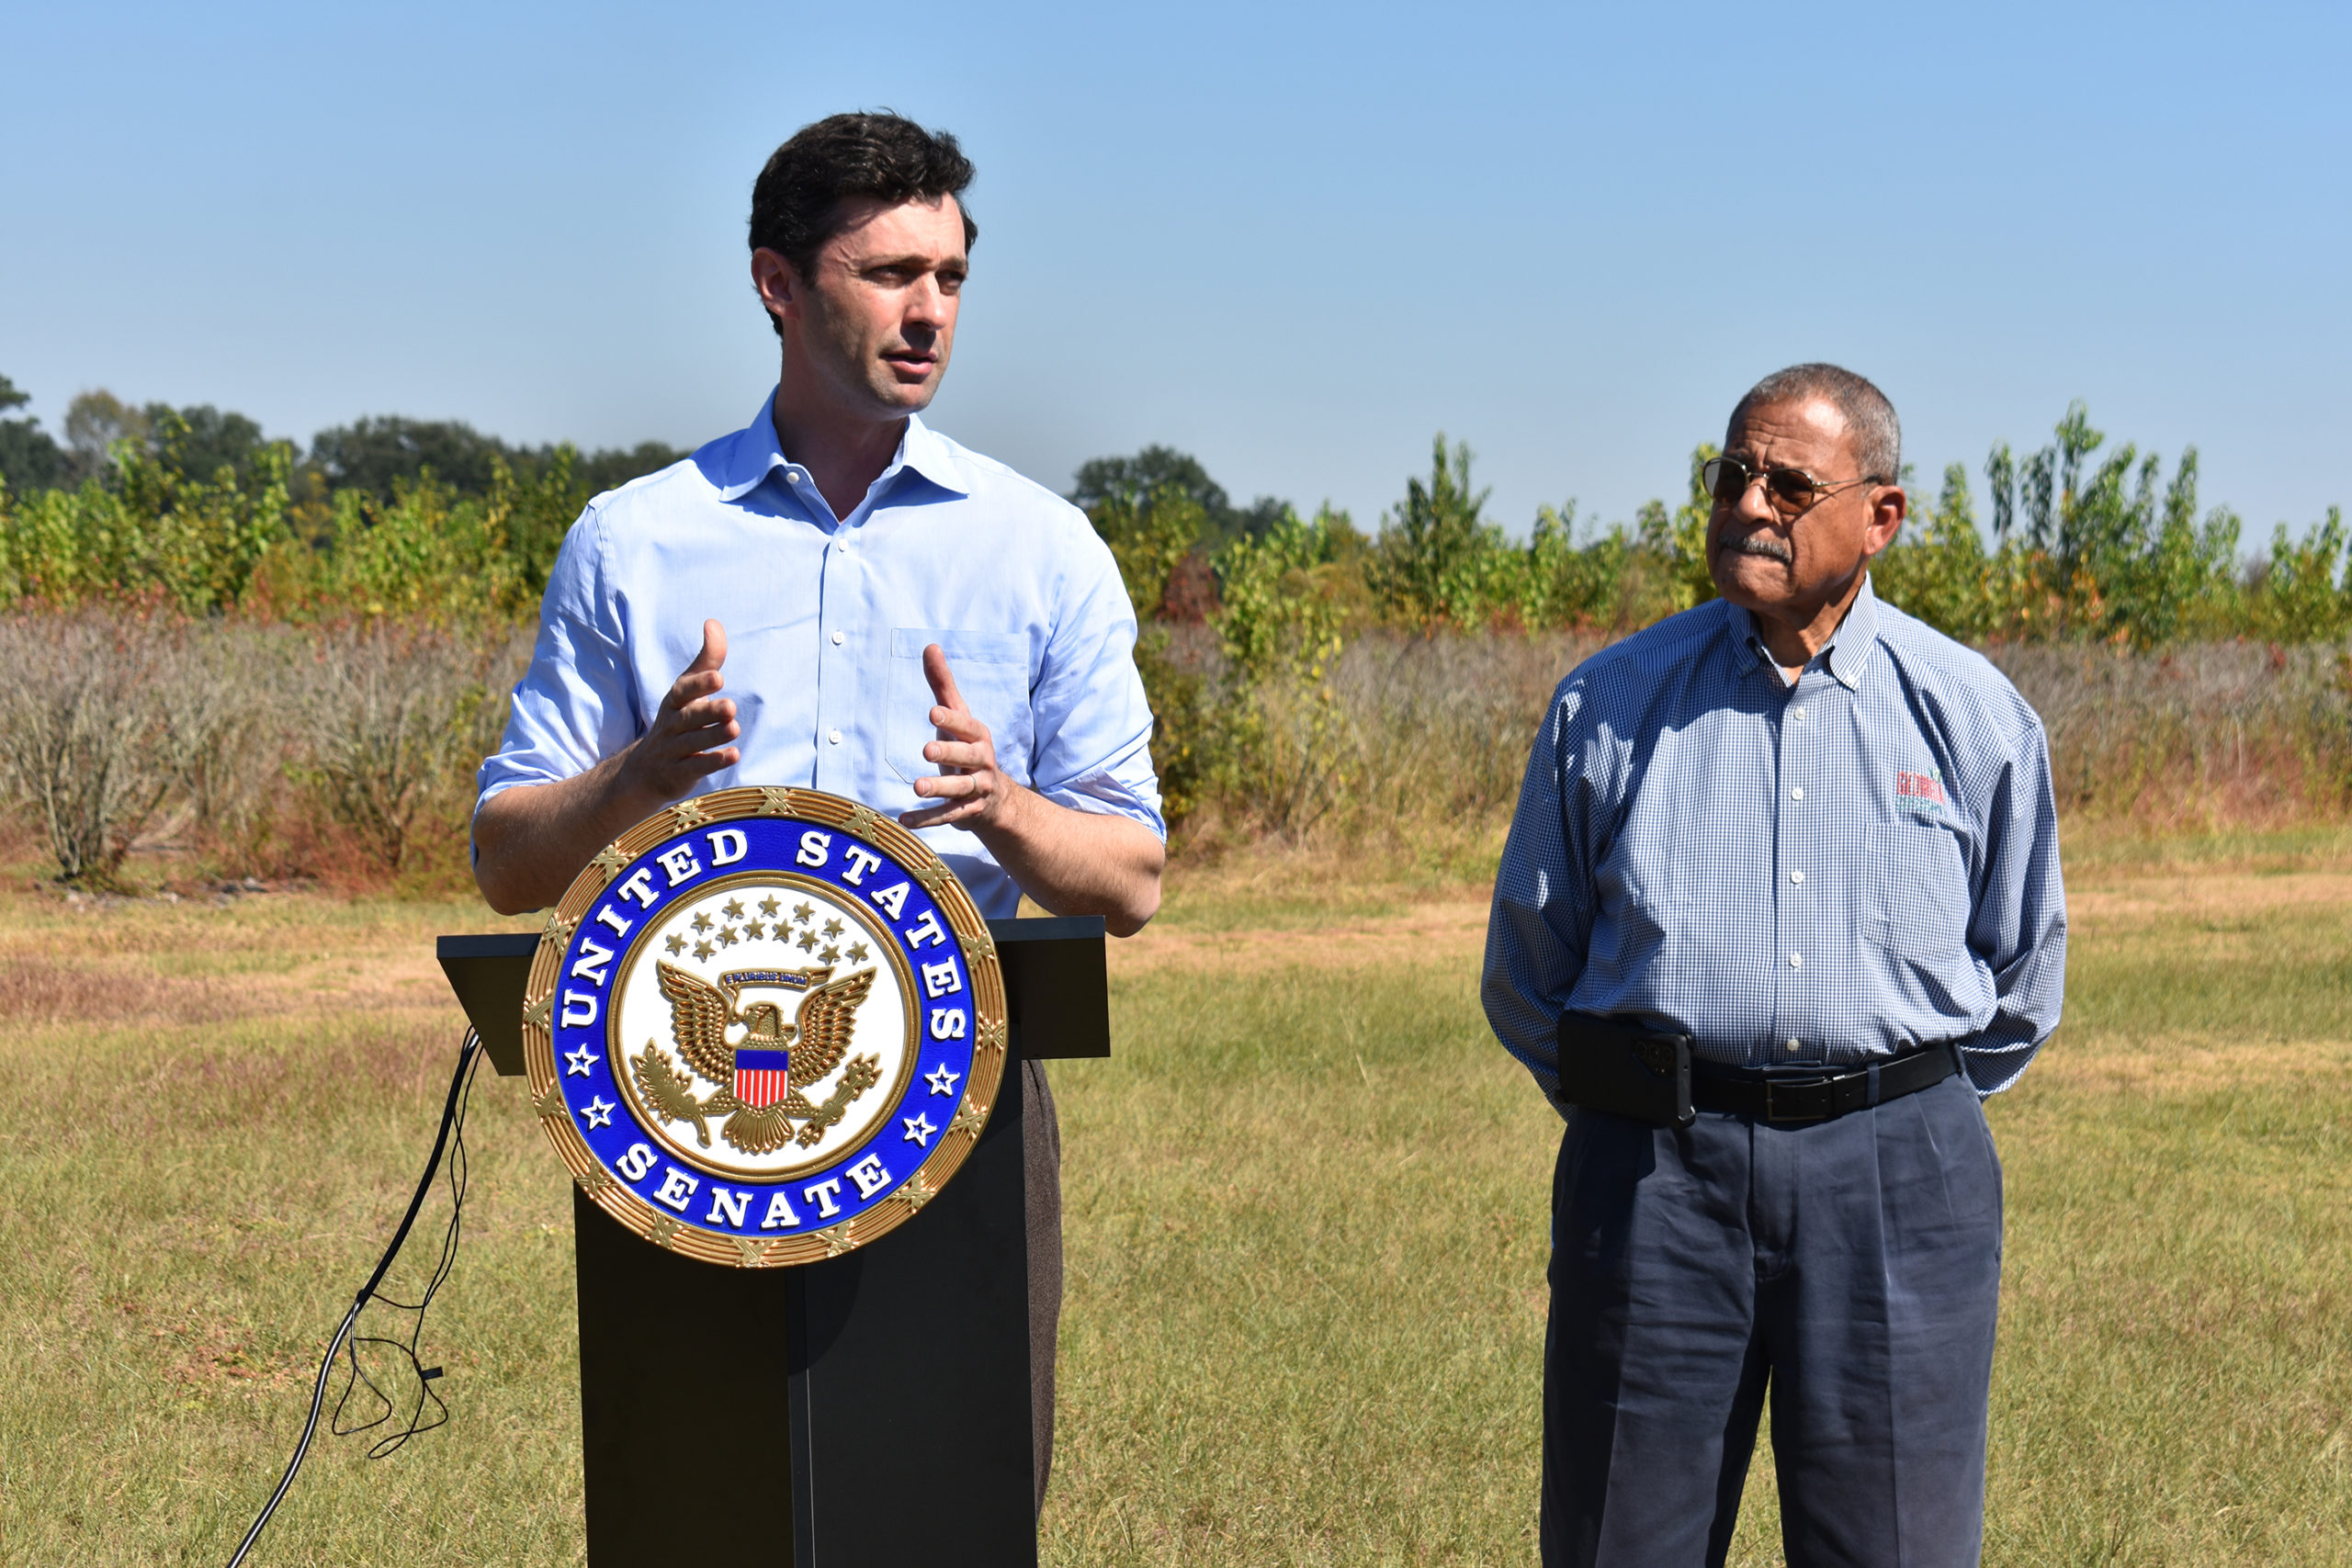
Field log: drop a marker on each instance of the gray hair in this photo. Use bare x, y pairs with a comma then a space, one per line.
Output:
1871, 428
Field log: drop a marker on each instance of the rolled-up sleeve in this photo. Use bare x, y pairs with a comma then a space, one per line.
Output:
2018, 923
1541, 926
576, 704
1092, 719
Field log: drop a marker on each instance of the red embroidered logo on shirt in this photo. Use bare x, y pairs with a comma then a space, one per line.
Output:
1920, 792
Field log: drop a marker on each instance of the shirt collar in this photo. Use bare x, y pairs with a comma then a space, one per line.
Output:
754, 453
1850, 646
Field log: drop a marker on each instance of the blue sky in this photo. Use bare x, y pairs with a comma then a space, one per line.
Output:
1294, 241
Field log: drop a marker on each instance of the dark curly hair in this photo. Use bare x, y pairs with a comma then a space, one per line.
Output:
797, 201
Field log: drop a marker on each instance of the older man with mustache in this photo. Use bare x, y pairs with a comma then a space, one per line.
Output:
1780, 906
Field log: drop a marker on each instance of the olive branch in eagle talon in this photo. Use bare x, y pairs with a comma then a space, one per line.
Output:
700, 1015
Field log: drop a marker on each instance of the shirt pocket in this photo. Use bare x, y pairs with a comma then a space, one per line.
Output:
1919, 889
991, 669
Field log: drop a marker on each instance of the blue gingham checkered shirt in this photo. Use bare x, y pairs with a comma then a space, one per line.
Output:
1792, 876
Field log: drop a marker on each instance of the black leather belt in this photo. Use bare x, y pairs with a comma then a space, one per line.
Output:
1771, 1098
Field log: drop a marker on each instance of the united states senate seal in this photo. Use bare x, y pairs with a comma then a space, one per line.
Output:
764, 1026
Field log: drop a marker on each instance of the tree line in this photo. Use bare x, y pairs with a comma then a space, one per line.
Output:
346, 620
2087, 543
2076, 540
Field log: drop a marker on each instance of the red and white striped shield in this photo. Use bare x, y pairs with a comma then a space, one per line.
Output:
762, 1078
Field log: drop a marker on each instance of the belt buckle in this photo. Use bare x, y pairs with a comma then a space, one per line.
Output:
1773, 1113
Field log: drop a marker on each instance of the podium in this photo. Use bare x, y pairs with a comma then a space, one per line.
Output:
867, 1411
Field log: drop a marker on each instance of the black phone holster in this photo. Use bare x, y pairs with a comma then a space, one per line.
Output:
1626, 1069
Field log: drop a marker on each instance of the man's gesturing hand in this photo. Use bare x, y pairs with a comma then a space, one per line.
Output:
687, 740
970, 789
1071, 862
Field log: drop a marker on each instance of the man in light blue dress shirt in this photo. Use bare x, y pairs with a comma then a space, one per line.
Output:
1816, 839
838, 597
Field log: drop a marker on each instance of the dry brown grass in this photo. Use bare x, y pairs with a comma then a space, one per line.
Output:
1306, 1233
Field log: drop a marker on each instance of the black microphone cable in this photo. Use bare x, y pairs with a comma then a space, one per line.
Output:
453, 1118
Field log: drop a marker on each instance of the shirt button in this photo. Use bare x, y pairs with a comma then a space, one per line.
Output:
1797, 714
839, 638
1796, 960
833, 737
1796, 876
1791, 1046
1797, 792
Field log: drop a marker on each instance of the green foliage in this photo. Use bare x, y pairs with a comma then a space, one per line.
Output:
1618, 580
95, 421
1264, 640
380, 455
2303, 599
1132, 480
431, 550
1150, 533
200, 440
1438, 562
1279, 625
28, 458
1937, 569
2104, 555
196, 541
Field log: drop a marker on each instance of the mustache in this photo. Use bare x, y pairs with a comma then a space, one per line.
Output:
1758, 544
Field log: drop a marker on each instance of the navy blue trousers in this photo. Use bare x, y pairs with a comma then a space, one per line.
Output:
1852, 1265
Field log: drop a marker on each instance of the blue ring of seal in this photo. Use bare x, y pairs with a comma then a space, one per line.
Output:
957, 1038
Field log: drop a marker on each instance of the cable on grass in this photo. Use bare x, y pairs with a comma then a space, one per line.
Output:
343, 1344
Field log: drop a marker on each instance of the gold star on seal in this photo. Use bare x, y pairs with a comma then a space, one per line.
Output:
726, 937
830, 955
677, 944
754, 930
833, 928
807, 942
803, 913
704, 950
702, 921
859, 952
734, 908
689, 814
768, 906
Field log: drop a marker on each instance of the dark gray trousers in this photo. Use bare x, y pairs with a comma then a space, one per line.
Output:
1042, 1188
1853, 1264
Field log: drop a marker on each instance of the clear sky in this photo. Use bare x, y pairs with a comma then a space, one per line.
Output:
1294, 241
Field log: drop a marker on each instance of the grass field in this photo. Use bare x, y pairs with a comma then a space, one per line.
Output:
1306, 1235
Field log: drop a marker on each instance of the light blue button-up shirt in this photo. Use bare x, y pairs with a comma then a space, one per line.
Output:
1792, 876
826, 623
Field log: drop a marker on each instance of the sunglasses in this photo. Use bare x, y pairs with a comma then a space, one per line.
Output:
1790, 491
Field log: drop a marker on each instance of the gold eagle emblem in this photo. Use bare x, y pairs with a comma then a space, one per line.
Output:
700, 1016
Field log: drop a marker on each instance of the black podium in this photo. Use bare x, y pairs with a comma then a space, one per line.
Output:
864, 1412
